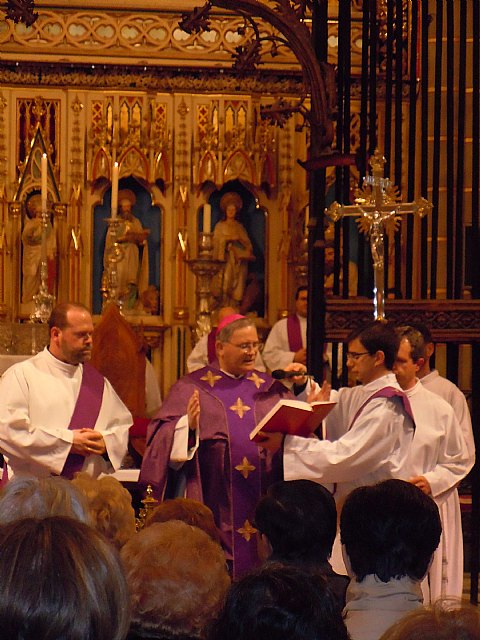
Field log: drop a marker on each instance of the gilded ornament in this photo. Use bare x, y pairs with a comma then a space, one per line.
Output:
239, 408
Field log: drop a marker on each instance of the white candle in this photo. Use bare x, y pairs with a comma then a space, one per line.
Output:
115, 190
44, 182
207, 218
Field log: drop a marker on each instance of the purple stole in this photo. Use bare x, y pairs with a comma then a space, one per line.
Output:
85, 413
294, 333
387, 392
236, 394
211, 353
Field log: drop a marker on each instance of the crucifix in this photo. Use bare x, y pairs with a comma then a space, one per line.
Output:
378, 209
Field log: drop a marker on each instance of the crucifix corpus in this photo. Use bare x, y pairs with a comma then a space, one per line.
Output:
378, 209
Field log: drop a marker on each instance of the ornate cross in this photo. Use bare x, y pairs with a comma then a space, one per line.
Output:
378, 209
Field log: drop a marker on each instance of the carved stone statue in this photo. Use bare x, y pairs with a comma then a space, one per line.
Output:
132, 273
32, 248
232, 244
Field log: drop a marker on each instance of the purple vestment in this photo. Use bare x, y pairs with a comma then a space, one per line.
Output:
85, 413
294, 333
221, 474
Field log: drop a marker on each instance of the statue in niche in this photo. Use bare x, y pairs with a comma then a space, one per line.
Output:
32, 249
232, 244
132, 269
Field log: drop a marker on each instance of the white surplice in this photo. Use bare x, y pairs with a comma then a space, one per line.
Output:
277, 353
439, 453
374, 448
439, 385
37, 399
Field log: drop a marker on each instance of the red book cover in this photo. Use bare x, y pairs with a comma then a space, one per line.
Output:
293, 417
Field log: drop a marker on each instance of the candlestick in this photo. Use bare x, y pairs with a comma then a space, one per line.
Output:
114, 190
207, 218
44, 182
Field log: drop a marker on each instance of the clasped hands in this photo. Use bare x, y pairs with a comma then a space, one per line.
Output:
88, 441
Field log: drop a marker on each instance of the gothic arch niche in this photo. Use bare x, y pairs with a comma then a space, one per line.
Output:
148, 277
253, 218
31, 246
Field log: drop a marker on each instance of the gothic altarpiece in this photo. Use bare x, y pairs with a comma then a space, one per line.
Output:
182, 151
178, 150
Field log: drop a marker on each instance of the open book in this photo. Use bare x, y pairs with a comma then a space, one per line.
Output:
294, 417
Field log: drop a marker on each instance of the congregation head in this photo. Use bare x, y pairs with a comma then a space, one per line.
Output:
186, 510
177, 577
60, 580
299, 519
389, 530
445, 619
29, 496
109, 505
277, 602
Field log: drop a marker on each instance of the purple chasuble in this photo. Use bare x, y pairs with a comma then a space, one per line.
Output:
238, 398
387, 392
85, 413
294, 333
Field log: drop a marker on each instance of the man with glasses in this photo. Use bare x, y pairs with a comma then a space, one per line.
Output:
203, 430
368, 432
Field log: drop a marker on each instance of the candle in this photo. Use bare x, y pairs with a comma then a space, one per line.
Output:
114, 190
307, 215
44, 182
207, 218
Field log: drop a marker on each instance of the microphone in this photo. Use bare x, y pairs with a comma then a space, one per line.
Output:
280, 374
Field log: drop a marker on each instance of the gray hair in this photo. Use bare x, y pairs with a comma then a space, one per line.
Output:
228, 330
30, 497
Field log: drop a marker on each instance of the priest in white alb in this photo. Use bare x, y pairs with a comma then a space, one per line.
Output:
58, 415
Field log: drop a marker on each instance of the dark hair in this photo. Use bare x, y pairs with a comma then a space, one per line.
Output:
416, 340
390, 529
58, 317
299, 518
299, 291
278, 602
59, 580
378, 336
446, 619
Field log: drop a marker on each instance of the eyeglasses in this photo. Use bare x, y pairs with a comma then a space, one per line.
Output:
247, 346
355, 355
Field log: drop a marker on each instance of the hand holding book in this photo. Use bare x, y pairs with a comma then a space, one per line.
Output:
293, 417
